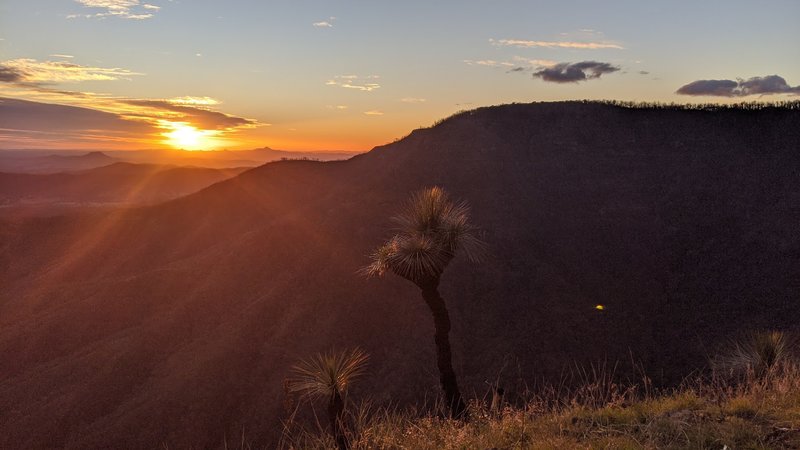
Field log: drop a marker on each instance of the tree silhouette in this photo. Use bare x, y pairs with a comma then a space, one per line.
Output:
328, 375
431, 230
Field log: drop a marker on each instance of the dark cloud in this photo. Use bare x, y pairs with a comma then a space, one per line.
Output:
771, 84
198, 117
10, 75
644, 72
574, 72
28, 116
518, 69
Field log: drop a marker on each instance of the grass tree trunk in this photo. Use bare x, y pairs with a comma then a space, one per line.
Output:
336, 417
444, 360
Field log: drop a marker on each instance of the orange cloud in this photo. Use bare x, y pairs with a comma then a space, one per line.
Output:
26, 70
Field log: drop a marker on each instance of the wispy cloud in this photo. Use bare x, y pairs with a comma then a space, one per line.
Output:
194, 101
413, 100
337, 107
517, 64
488, 63
534, 62
575, 72
48, 72
325, 23
771, 84
61, 55
123, 9
366, 84
373, 113
555, 44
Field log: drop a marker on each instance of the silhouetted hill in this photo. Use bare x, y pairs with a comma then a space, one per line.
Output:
33, 161
175, 324
225, 158
55, 163
118, 183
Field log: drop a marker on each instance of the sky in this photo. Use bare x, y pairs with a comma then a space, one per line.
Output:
351, 75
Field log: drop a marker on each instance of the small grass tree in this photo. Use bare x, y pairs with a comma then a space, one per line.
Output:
431, 230
328, 376
758, 353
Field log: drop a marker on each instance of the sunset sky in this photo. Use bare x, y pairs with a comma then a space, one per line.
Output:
349, 75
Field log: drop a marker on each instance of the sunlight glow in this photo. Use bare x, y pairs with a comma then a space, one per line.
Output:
187, 137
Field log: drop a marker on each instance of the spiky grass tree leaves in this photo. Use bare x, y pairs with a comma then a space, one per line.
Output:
328, 376
431, 230
757, 353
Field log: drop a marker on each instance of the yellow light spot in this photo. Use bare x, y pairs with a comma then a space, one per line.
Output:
187, 137
600, 307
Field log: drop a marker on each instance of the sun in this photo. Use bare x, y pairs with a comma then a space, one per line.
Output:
187, 137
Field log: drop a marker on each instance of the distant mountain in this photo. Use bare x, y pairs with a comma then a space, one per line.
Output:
225, 158
175, 325
32, 161
54, 163
267, 154
114, 184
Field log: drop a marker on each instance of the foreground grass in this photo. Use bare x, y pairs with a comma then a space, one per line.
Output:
756, 413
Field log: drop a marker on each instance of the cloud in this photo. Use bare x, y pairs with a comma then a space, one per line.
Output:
194, 101
30, 116
36, 72
355, 82
771, 84
99, 119
10, 75
519, 63
488, 63
61, 55
574, 72
555, 44
413, 100
373, 113
34, 124
325, 23
535, 62
32, 78
337, 107
197, 116
123, 9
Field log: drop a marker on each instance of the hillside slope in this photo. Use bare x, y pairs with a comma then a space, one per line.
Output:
176, 324
121, 183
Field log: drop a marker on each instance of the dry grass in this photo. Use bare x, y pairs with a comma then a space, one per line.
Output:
706, 413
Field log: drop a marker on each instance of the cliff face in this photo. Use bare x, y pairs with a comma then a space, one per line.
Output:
177, 323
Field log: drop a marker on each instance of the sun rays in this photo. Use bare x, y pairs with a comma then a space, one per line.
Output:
187, 137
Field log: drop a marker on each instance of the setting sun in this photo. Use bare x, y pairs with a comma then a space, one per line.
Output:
187, 137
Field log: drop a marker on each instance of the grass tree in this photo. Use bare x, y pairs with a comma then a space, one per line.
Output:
758, 353
431, 230
327, 376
